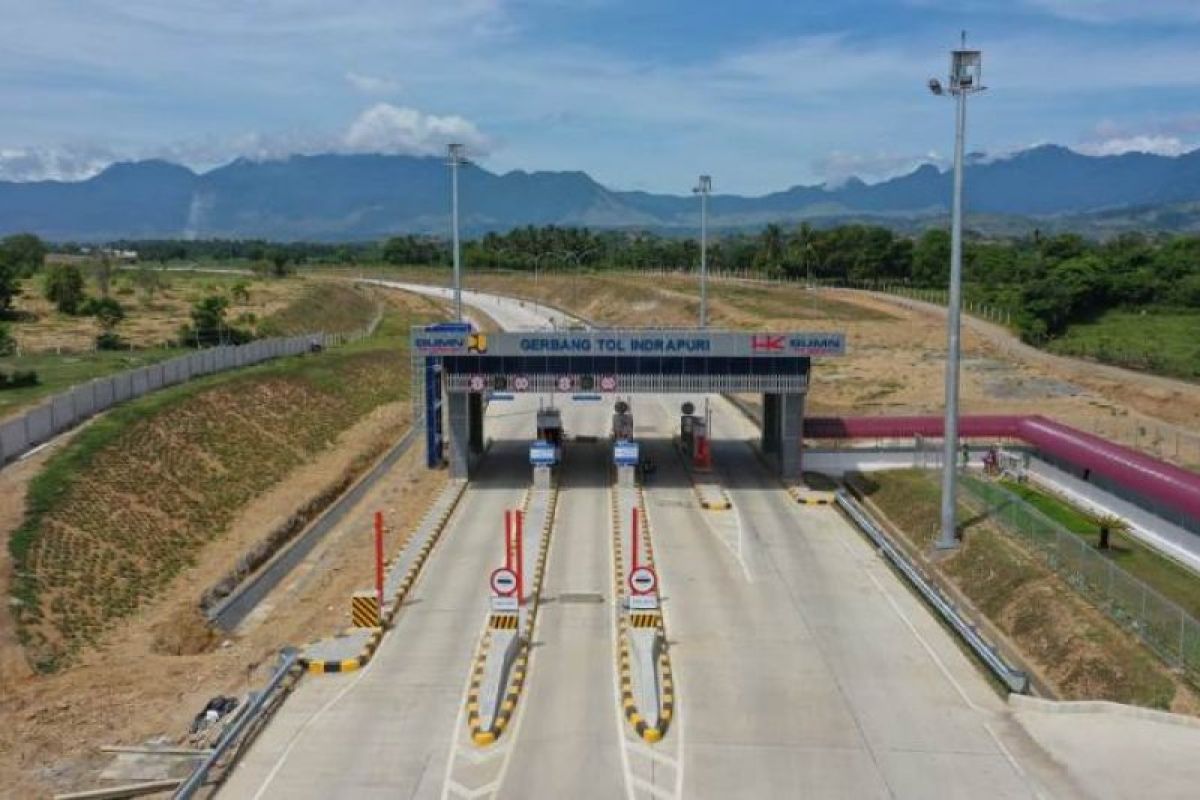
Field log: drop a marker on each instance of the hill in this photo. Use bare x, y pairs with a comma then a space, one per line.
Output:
357, 197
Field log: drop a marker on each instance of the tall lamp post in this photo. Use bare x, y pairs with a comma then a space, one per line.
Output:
456, 158
966, 72
703, 188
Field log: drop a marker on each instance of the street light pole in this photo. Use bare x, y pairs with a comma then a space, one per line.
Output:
456, 159
703, 189
966, 68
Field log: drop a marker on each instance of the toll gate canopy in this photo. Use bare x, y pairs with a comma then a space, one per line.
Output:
467, 366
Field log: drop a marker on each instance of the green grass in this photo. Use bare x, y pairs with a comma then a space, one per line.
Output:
59, 372
1164, 575
1165, 342
328, 307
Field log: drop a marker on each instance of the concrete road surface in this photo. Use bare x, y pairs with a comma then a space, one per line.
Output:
804, 667
386, 731
569, 742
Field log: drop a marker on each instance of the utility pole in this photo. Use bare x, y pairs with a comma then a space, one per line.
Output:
456, 160
703, 189
966, 70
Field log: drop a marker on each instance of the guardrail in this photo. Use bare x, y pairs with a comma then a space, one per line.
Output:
1016, 680
288, 659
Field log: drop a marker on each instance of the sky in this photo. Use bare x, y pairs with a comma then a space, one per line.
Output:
640, 94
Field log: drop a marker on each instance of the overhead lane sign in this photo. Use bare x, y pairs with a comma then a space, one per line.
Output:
745, 344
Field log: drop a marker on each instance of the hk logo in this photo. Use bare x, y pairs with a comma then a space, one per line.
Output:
762, 343
477, 343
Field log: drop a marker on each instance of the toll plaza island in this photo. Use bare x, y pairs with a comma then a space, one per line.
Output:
465, 369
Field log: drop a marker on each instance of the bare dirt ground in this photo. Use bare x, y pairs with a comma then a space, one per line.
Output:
896, 354
155, 671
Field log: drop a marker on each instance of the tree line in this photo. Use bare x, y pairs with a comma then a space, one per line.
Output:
1046, 282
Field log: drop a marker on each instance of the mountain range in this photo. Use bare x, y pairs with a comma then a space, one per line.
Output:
362, 197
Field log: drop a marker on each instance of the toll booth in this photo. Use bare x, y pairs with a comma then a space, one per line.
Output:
622, 422
467, 366
550, 429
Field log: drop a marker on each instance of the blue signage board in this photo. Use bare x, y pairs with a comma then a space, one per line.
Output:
542, 454
587, 397
495, 396
625, 453
449, 327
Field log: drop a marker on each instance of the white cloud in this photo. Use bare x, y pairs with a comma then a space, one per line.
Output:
71, 163
372, 84
385, 128
838, 166
1144, 143
1109, 11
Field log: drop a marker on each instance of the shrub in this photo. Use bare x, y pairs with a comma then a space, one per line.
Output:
18, 379
63, 286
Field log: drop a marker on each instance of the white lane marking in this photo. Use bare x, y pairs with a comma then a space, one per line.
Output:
941, 665
657, 791
677, 725
456, 732
1029, 782
283, 757
734, 549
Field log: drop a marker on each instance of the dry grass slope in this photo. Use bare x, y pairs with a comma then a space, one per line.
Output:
1082, 654
115, 516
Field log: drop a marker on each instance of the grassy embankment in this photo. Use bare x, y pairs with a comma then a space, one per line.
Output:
131, 501
57, 346
1081, 653
1162, 342
1168, 577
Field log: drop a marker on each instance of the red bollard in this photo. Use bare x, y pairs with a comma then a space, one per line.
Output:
520, 557
633, 549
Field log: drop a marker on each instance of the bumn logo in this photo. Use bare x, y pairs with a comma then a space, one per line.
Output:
477, 343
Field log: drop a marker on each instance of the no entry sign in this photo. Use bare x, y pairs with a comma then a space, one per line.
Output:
566, 383
477, 383
521, 383
642, 580
504, 581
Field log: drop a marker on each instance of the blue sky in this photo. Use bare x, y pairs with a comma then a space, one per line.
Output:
638, 93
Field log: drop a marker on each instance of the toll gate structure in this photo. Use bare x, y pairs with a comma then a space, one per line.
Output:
460, 369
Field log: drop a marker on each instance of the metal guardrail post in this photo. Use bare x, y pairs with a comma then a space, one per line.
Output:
289, 657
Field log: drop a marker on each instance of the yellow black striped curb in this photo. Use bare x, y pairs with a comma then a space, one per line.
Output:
520, 667
322, 666
809, 497
723, 504
628, 703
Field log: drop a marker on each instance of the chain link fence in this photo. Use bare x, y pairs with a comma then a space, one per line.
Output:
63, 411
1159, 622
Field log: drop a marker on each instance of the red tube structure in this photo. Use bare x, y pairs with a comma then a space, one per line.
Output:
1172, 486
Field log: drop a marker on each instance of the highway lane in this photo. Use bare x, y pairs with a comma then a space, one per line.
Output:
569, 742
812, 677
386, 731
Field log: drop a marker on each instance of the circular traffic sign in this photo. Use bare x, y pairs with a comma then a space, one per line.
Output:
476, 383
521, 383
608, 383
504, 581
642, 580
566, 383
